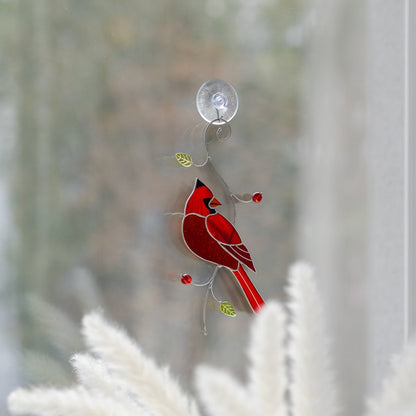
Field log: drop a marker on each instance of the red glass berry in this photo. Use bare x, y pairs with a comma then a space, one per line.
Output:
257, 197
186, 279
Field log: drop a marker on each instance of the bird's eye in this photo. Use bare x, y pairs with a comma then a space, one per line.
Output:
207, 202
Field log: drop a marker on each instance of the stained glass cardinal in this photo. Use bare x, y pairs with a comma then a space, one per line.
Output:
210, 236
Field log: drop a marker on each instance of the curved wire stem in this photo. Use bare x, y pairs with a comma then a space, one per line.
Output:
211, 278
244, 201
210, 283
219, 120
206, 161
211, 288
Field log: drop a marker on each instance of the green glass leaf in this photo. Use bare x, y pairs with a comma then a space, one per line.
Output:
184, 159
227, 309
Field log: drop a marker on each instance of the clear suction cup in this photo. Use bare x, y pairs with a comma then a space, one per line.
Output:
217, 101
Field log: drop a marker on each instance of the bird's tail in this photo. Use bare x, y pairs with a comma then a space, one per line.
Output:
254, 299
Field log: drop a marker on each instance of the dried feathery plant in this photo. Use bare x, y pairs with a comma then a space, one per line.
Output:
289, 372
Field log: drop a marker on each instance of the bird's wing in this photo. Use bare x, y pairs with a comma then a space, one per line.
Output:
226, 235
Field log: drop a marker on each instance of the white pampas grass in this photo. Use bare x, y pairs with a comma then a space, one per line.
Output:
153, 385
94, 376
74, 402
288, 356
267, 372
265, 391
122, 381
221, 394
92, 373
398, 396
312, 390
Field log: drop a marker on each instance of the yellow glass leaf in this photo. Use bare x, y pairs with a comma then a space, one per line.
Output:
227, 309
184, 159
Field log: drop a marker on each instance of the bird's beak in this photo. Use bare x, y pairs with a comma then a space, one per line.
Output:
214, 203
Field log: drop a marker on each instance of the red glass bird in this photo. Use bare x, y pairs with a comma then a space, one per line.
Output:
213, 238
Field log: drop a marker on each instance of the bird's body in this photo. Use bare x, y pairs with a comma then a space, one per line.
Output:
210, 236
